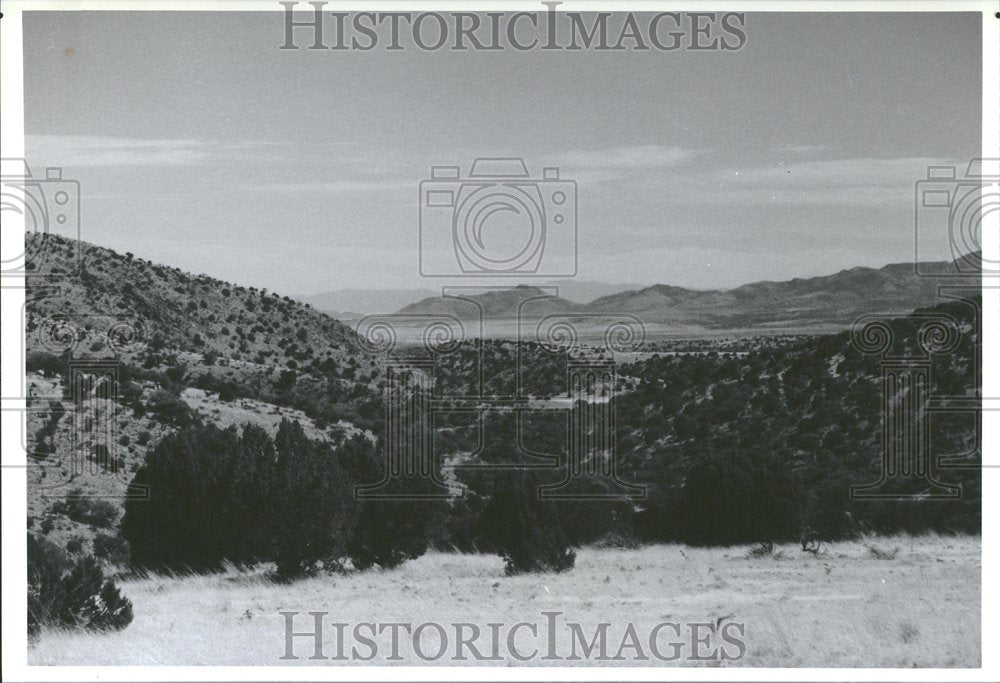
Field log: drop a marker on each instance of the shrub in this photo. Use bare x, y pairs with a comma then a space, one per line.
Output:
61, 593
97, 513
217, 495
524, 529
112, 548
315, 504
176, 373
186, 475
227, 393
46, 363
739, 497
389, 532
169, 408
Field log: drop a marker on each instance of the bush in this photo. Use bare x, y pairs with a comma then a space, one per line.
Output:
46, 363
216, 495
389, 532
112, 548
65, 594
314, 507
739, 497
169, 408
96, 513
524, 529
227, 393
189, 519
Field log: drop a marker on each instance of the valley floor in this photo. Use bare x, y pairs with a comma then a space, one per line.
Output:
847, 606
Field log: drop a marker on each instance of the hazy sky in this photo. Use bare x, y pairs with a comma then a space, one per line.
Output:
201, 145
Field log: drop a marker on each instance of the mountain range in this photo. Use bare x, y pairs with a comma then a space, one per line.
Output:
356, 303
835, 299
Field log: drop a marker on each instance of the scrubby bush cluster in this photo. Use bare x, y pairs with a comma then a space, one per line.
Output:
71, 594
97, 513
733, 449
741, 449
524, 528
216, 495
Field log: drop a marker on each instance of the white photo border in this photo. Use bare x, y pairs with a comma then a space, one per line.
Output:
14, 494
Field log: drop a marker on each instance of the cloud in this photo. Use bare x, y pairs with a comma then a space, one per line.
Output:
92, 150
803, 149
636, 157
851, 182
334, 187
592, 167
99, 151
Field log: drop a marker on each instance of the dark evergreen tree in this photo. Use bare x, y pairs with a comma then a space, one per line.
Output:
398, 527
314, 509
524, 529
215, 495
187, 520
739, 497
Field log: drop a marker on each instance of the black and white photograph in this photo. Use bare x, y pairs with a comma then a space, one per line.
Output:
500, 340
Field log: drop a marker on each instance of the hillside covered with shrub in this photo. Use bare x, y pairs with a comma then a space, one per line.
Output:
245, 410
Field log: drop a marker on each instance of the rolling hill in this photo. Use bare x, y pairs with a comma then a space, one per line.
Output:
185, 349
154, 304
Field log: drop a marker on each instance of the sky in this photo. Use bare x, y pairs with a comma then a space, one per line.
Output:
199, 144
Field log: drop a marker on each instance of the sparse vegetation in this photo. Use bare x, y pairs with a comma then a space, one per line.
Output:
739, 443
847, 619
79, 508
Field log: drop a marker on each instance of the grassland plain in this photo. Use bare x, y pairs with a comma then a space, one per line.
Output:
901, 601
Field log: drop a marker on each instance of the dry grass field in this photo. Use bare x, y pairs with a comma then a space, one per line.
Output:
892, 602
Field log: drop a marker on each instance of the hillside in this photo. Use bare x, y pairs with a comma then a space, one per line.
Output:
797, 422
187, 349
169, 308
205, 352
